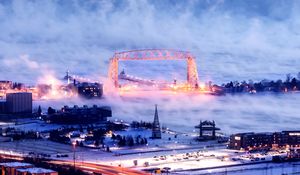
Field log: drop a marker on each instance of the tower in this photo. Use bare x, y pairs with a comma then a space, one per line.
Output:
156, 132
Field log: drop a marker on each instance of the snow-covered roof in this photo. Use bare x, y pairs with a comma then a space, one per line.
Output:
36, 170
15, 164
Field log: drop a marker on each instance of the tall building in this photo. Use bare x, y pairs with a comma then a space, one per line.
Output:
19, 102
156, 132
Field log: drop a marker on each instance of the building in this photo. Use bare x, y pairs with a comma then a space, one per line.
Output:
19, 168
89, 90
251, 140
35, 171
81, 115
287, 138
3, 107
156, 132
5, 85
19, 102
10, 168
207, 130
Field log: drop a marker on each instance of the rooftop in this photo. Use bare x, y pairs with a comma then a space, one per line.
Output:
36, 170
15, 164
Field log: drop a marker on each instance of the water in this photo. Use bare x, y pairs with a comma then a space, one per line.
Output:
232, 113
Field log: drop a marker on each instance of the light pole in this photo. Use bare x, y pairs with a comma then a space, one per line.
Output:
74, 158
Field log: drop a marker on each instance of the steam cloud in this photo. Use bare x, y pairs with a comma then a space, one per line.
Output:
232, 40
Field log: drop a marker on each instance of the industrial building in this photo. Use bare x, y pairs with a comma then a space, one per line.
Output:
252, 141
85, 114
17, 103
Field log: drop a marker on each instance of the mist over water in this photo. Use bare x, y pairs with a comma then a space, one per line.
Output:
232, 40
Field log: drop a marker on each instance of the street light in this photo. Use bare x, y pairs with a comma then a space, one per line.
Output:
74, 158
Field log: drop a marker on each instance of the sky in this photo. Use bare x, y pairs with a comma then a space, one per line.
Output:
231, 40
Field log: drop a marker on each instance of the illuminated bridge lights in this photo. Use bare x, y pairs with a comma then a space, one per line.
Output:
156, 54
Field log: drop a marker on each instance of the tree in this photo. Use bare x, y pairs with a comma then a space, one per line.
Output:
96, 143
137, 139
80, 128
113, 136
122, 140
51, 111
294, 82
142, 141
130, 141
288, 78
39, 111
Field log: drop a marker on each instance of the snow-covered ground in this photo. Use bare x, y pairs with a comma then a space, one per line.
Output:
182, 161
182, 154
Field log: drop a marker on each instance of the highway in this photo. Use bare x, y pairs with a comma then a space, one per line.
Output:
98, 168
85, 166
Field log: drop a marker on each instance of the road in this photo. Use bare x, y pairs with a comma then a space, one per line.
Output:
98, 168
92, 167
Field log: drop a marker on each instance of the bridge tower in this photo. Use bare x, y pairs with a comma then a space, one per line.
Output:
113, 71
